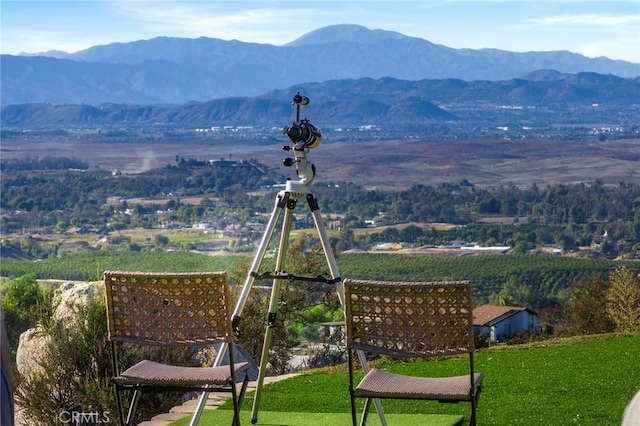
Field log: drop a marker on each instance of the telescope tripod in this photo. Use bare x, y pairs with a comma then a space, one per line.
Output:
285, 202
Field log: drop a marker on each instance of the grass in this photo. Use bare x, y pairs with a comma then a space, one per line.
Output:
585, 381
268, 418
178, 237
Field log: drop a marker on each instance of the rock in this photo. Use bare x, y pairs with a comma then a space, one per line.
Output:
30, 351
70, 295
65, 298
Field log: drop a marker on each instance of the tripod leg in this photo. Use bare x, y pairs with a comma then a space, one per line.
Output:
326, 245
333, 268
273, 306
203, 398
281, 202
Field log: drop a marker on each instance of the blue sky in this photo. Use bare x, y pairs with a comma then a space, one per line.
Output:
592, 28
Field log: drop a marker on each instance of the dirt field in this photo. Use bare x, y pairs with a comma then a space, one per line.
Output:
381, 163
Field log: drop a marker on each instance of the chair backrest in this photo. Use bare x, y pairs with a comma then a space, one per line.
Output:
187, 308
416, 319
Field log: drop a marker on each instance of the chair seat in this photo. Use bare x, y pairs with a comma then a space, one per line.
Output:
150, 373
382, 384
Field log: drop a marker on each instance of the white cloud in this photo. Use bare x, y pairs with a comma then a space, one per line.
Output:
618, 35
39, 41
587, 19
223, 20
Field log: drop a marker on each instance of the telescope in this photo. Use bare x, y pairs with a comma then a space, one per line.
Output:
305, 136
302, 133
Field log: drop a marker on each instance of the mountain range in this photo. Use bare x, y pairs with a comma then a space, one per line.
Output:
167, 70
547, 95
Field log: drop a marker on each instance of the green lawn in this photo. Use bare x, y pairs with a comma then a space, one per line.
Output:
586, 381
270, 418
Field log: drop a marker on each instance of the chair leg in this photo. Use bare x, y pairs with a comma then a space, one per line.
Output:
354, 416
236, 404
365, 412
474, 404
133, 407
243, 390
472, 420
120, 407
352, 397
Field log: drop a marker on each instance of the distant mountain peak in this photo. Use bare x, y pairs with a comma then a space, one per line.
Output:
49, 53
345, 32
544, 75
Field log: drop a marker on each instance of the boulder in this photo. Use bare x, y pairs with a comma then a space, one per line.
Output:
30, 351
65, 298
73, 294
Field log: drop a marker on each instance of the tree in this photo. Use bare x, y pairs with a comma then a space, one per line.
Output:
161, 240
585, 312
623, 300
515, 293
347, 238
410, 234
21, 302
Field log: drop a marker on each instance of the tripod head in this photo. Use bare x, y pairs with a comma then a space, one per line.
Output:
305, 136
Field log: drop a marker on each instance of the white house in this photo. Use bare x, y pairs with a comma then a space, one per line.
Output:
498, 322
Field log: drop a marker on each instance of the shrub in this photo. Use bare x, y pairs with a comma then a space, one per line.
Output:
21, 302
528, 336
75, 369
623, 300
585, 311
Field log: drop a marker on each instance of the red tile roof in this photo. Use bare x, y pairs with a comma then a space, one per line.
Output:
485, 314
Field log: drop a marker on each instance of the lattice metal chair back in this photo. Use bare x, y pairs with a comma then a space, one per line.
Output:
418, 319
171, 309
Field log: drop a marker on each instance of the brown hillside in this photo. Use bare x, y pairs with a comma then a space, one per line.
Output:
395, 163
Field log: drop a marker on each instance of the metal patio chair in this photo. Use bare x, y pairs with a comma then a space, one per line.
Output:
171, 309
409, 320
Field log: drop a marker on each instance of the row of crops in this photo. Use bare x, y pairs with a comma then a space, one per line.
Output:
544, 276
